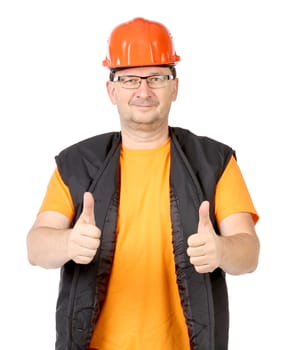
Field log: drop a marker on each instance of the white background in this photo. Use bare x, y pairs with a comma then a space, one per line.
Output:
52, 94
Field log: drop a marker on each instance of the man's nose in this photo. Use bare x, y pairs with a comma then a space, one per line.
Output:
144, 89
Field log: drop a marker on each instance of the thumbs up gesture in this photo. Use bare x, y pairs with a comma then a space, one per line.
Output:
83, 240
204, 247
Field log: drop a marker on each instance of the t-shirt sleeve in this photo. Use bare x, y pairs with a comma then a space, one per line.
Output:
58, 197
232, 195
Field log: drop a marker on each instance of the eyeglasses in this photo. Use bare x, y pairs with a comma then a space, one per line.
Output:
134, 81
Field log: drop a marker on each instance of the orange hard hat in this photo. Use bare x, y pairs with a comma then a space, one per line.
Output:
140, 42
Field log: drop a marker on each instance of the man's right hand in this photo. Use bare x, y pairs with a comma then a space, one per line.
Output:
84, 238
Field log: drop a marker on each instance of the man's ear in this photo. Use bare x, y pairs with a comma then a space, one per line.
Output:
175, 89
111, 91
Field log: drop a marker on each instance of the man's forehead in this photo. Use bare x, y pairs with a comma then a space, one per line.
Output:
148, 70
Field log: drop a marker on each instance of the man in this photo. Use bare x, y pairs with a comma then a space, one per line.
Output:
144, 223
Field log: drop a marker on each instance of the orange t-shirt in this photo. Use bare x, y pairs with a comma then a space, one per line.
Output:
142, 309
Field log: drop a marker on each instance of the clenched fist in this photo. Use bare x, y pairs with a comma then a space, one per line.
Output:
84, 238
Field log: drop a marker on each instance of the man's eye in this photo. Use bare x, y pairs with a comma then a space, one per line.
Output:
130, 81
155, 79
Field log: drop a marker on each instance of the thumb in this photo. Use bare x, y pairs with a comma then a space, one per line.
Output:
87, 216
205, 224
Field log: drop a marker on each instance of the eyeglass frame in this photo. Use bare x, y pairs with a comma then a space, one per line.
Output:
172, 68
165, 77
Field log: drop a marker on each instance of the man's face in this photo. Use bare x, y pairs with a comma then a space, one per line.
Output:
143, 104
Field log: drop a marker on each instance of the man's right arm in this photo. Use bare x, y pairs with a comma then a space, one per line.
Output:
51, 242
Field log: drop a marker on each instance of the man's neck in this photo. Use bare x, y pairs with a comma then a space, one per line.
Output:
140, 139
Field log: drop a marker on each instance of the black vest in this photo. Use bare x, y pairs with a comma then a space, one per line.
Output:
93, 165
